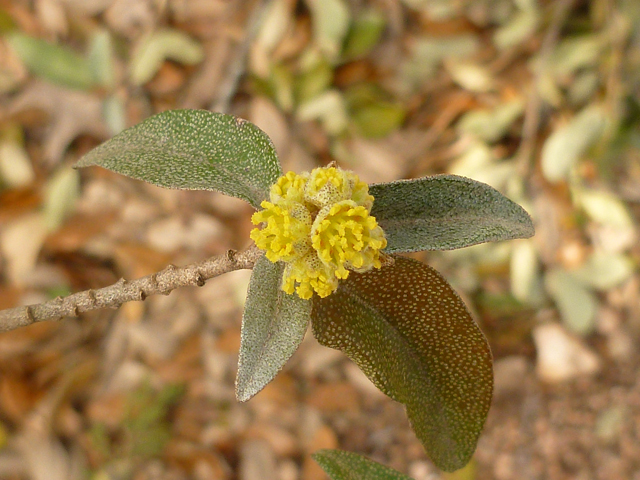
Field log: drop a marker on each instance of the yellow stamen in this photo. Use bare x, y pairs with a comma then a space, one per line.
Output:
319, 224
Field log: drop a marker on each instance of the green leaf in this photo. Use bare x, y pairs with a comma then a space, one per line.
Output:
373, 111
273, 326
114, 114
576, 304
410, 333
444, 212
520, 26
470, 75
193, 150
314, 81
378, 120
573, 54
341, 465
329, 109
330, 20
100, 59
491, 125
161, 45
364, 34
564, 147
52, 62
605, 208
604, 270
61, 193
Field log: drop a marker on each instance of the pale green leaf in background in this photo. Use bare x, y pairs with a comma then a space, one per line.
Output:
193, 150
329, 108
61, 193
604, 207
281, 83
330, 20
436, 10
379, 119
341, 465
520, 26
443, 212
583, 88
526, 283
101, 59
114, 114
55, 63
273, 326
549, 91
20, 245
476, 159
611, 423
316, 78
410, 333
16, 169
604, 270
567, 144
159, 46
427, 53
364, 34
470, 75
573, 54
576, 304
436, 49
277, 20
491, 125
479, 163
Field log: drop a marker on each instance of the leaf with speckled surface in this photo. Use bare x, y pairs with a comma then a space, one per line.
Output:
341, 465
193, 150
411, 334
273, 326
443, 212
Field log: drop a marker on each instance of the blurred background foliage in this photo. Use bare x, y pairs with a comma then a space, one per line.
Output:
538, 98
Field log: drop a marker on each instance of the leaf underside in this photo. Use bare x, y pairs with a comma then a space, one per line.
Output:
273, 326
193, 150
411, 334
341, 465
443, 212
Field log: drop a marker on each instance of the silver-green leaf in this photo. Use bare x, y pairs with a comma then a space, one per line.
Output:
341, 465
444, 212
193, 150
273, 326
410, 333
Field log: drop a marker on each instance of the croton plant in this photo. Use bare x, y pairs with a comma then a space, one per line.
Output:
331, 258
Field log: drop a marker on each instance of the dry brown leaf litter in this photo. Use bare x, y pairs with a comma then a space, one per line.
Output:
586, 428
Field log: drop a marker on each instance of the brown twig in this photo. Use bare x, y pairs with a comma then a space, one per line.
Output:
163, 282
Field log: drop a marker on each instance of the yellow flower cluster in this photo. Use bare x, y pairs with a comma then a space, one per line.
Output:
319, 224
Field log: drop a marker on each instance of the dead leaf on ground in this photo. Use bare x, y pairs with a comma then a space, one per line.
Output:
71, 113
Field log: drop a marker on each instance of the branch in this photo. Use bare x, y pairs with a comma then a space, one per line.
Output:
163, 282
